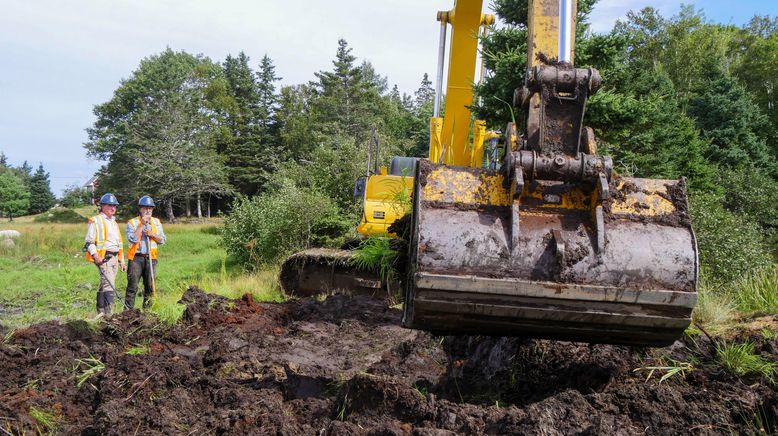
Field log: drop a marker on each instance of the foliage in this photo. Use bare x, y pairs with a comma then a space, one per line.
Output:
156, 133
376, 254
48, 420
139, 350
713, 308
90, 367
14, 196
730, 245
741, 360
41, 197
75, 196
669, 367
264, 229
757, 291
60, 215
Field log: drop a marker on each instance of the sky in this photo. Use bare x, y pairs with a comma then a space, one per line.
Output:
61, 58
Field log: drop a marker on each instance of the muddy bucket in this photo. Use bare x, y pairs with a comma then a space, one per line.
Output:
552, 262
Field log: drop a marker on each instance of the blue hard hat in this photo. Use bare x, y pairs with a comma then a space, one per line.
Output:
146, 201
109, 198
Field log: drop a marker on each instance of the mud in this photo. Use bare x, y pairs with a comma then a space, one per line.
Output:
344, 366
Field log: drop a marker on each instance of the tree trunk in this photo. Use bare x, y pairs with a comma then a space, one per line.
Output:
188, 208
208, 209
199, 207
169, 211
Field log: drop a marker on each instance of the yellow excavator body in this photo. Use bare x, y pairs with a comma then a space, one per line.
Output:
386, 199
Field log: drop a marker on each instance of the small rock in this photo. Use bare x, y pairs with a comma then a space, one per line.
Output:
10, 234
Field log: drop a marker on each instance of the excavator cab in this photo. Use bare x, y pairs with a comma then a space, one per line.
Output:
553, 243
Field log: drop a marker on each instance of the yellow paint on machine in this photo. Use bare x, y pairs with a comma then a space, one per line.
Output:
383, 203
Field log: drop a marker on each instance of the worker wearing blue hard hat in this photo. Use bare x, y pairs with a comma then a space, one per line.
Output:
104, 247
145, 233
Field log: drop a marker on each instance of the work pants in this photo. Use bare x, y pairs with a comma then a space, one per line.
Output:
107, 286
139, 267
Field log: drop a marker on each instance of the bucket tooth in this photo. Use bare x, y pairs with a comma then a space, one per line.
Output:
541, 264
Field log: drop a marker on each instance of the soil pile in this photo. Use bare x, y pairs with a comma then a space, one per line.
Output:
344, 366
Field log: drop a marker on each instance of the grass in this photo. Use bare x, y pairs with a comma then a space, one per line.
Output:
45, 276
91, 367
757, 292
376, 254
47, 420
741, 360
668, 368
138, 350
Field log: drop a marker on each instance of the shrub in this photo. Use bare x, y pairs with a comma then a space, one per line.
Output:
263, 229
731, 245
60, 215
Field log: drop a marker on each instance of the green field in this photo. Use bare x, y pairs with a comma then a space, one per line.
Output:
44, 276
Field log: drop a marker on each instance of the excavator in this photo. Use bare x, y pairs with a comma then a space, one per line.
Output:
551, 243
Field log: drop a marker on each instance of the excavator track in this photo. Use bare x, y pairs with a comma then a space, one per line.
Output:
320, 271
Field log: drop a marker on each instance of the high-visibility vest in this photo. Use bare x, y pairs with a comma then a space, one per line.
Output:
155, 224
101, 224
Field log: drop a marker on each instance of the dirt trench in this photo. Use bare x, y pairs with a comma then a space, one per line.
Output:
344, 366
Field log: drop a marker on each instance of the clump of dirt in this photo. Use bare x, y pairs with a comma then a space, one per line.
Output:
344, 366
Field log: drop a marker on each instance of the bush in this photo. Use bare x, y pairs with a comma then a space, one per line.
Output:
60, 215
75, 196
264, 229
731, 245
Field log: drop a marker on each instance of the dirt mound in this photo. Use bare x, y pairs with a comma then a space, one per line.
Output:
344, 366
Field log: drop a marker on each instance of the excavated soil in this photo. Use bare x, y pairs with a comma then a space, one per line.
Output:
344, 366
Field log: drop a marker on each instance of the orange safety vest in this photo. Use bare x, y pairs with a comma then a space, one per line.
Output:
101, 224
152, 243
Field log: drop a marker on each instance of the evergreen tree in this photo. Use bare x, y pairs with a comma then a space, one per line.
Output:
425, 94
41, 197
267, 97
340, 94
241, 142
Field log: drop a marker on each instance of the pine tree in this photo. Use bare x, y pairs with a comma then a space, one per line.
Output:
340, 92
425, 94
41, 197
244, 117
267, 96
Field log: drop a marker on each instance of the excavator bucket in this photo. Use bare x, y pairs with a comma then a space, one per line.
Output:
608, 262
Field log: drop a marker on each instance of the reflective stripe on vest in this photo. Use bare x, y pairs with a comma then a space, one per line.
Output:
101, 237
135, 222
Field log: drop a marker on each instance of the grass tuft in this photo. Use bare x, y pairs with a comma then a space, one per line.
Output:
91, 367
47, 420
139, 350
669, 367
376, 254
741, 360
757, 292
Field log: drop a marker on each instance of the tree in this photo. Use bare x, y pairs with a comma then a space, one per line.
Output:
340, 94
267, 97
424, 95
75, 196
14, 196
157, 132
41, 197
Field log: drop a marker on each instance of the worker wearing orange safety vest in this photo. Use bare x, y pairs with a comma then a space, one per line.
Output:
146, 234
103, 245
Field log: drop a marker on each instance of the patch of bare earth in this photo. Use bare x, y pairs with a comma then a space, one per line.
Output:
344, 366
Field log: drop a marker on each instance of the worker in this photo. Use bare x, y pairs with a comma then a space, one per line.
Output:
145, 233
103, 244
